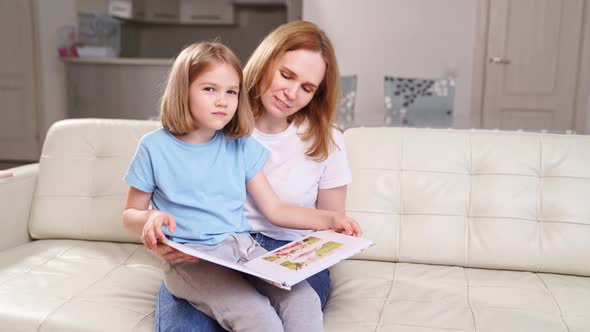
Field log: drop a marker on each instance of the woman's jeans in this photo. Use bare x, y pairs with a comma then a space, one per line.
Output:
174, 314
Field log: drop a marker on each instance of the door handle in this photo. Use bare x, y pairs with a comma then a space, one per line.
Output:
499, 60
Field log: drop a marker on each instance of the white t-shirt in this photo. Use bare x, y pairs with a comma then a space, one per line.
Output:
296, 178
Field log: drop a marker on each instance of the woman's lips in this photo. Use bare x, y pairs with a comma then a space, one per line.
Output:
281, 104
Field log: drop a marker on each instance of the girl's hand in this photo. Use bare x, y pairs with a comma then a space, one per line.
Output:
152, 230
344, 224
172, 255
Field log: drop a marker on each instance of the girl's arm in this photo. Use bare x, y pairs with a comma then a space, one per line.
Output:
288, 216
136, 215
144, 222
136, 211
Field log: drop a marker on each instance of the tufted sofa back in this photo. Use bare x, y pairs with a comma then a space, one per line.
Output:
488, 199
80, 191
502, 200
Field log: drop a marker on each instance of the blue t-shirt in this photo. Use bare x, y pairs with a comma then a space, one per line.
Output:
202, 185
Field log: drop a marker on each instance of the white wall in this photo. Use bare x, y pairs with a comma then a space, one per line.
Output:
408, 38
50, 16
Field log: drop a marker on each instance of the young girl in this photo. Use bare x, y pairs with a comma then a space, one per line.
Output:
195, 171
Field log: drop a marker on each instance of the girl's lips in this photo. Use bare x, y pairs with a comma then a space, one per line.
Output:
219, 114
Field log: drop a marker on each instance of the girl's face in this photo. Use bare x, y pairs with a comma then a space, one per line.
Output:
297, 76
213, 96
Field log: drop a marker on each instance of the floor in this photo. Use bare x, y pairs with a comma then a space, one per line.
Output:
11, 164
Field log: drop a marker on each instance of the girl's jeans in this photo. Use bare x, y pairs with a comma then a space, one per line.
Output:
174, 314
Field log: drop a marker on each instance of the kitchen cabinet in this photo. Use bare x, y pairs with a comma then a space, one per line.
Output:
206, 12
213, 12
118, 88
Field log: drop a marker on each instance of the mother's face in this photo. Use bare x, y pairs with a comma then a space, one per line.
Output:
295, 79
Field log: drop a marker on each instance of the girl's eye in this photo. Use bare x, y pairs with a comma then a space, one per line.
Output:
285, 75
232, 92
308, 90
209, 89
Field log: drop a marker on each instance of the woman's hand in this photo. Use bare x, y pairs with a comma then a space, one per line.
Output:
172, 255
152, 230
344, 224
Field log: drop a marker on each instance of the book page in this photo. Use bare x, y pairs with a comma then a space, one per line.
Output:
303, 258
219, 261
293, 262
299, 255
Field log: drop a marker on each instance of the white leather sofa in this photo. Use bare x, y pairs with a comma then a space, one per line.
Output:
474, 231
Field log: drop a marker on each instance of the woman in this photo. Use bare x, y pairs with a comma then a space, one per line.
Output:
292, 81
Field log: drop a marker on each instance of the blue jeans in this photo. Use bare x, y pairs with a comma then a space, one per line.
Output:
174, 314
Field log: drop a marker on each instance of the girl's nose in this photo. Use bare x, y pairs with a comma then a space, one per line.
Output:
221, 102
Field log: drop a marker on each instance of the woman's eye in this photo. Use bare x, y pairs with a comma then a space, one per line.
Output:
307, 89
285, 75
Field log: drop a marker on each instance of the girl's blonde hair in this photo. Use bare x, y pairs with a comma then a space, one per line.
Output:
189, 64
320, 111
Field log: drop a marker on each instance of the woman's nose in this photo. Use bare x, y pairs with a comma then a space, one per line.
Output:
291, 91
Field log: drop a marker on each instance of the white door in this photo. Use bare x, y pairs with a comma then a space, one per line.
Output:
18, 120
532, 64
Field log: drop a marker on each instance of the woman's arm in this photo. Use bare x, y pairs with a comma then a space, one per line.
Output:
284, 215
333, 199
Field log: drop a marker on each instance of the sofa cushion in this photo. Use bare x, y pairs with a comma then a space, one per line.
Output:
69, 285
380, 296
486, 199
80, 191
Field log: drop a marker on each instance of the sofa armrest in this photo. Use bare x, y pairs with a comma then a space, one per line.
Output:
17, 186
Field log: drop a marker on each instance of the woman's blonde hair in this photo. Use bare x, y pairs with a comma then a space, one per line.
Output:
319, 113
189, 64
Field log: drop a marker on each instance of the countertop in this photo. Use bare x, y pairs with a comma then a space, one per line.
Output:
119, 61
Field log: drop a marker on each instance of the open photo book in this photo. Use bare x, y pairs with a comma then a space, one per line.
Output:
293, 262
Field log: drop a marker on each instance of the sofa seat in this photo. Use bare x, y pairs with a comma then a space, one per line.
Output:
70, 285
402, 297
45, 284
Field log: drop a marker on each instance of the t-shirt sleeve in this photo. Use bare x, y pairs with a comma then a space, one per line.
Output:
255, 155
140, 174
337, 171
